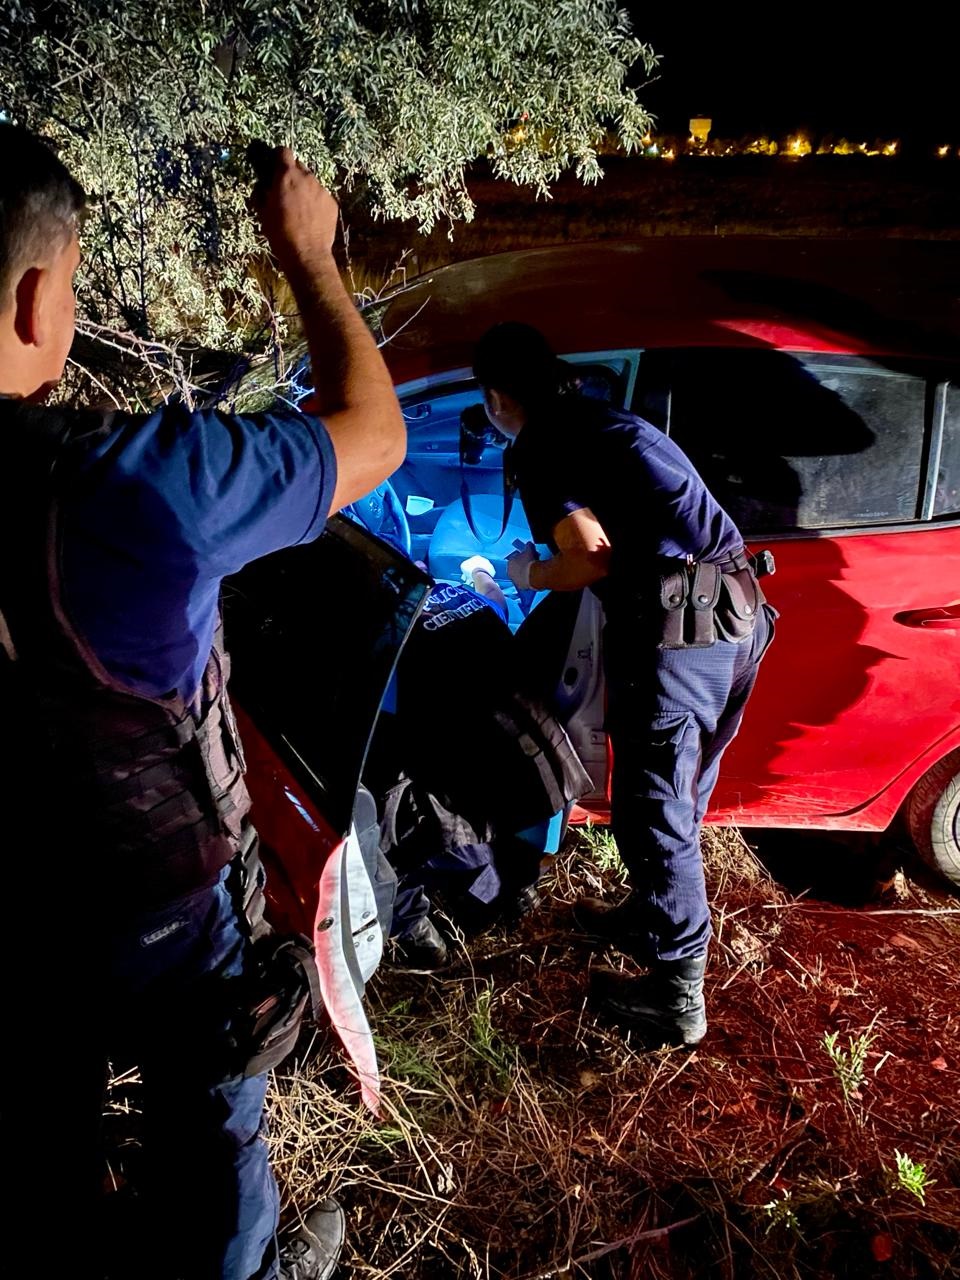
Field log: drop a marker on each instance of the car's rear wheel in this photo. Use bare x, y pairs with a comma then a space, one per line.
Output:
933, 817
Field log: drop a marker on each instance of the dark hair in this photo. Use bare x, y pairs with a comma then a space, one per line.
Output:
517, 359
39, 203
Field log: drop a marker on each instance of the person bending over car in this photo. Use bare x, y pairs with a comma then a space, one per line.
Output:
124, 808
627, 515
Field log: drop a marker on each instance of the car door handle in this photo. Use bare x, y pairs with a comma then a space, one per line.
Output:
944, 618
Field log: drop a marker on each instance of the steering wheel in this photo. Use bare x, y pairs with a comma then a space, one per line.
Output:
381, 512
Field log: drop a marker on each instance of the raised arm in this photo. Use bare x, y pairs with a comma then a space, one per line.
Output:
353, 392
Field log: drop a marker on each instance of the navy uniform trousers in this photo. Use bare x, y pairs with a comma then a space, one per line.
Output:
671, 713
160, 983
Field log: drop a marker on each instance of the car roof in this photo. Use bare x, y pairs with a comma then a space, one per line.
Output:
884, 297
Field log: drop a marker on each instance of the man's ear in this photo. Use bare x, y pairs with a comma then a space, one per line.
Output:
28, 297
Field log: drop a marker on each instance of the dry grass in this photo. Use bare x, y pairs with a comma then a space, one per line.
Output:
523, 1139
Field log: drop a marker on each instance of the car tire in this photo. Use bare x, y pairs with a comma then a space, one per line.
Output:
933, 817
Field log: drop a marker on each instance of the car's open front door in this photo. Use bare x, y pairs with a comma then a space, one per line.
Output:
314, 633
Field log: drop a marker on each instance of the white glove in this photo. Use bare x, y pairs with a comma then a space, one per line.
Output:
471, 565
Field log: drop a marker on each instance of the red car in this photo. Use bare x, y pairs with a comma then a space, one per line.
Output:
816, 385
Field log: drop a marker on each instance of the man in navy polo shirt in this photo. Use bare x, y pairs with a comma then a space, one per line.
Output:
123, 795
626, 514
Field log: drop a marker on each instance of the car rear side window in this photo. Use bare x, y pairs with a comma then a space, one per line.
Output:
790, 441
947, 500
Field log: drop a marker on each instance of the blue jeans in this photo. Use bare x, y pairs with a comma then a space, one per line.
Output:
671, 714
158, 988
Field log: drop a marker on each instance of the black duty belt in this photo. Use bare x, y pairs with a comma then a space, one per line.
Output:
736, 563
760, 565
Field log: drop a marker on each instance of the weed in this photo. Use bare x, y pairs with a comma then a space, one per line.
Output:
602, 849
383, 1138
812, 1199
780, 1214
849, 1064
912, 1177
497, 1058
407, 1059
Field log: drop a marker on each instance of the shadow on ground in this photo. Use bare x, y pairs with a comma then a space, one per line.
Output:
848, 868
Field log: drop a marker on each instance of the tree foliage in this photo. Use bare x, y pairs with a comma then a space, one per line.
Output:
152, 102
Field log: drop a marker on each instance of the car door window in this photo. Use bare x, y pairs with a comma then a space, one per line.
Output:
947, 500
791, 441
315, 631
431, 469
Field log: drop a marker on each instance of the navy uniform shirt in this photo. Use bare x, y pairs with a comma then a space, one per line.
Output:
168, 505
451, 602
642, 488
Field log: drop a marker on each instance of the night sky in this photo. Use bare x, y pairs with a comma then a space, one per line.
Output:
842, 69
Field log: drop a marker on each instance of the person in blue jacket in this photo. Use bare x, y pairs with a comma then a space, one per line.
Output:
125, 810
471, 770
626, 514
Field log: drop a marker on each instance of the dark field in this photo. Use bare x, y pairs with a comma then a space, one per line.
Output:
862, 197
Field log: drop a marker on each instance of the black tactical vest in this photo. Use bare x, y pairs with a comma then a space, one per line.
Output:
137, 800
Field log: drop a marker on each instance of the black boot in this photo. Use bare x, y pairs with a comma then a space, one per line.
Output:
422, 947
311, 1251
523, 903
665, 1007
617, 925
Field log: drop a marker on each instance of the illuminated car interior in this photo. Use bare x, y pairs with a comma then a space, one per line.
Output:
429, 483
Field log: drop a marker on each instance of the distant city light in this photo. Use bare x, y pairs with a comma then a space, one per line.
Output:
700, 127
700, 143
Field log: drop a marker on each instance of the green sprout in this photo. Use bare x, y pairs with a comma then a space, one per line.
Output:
497, 1058
912, 1177
603, 851
407, 1060
849, 1064
780, 1214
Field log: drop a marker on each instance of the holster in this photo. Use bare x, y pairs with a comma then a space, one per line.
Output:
280, 989
280, 985
741, 600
